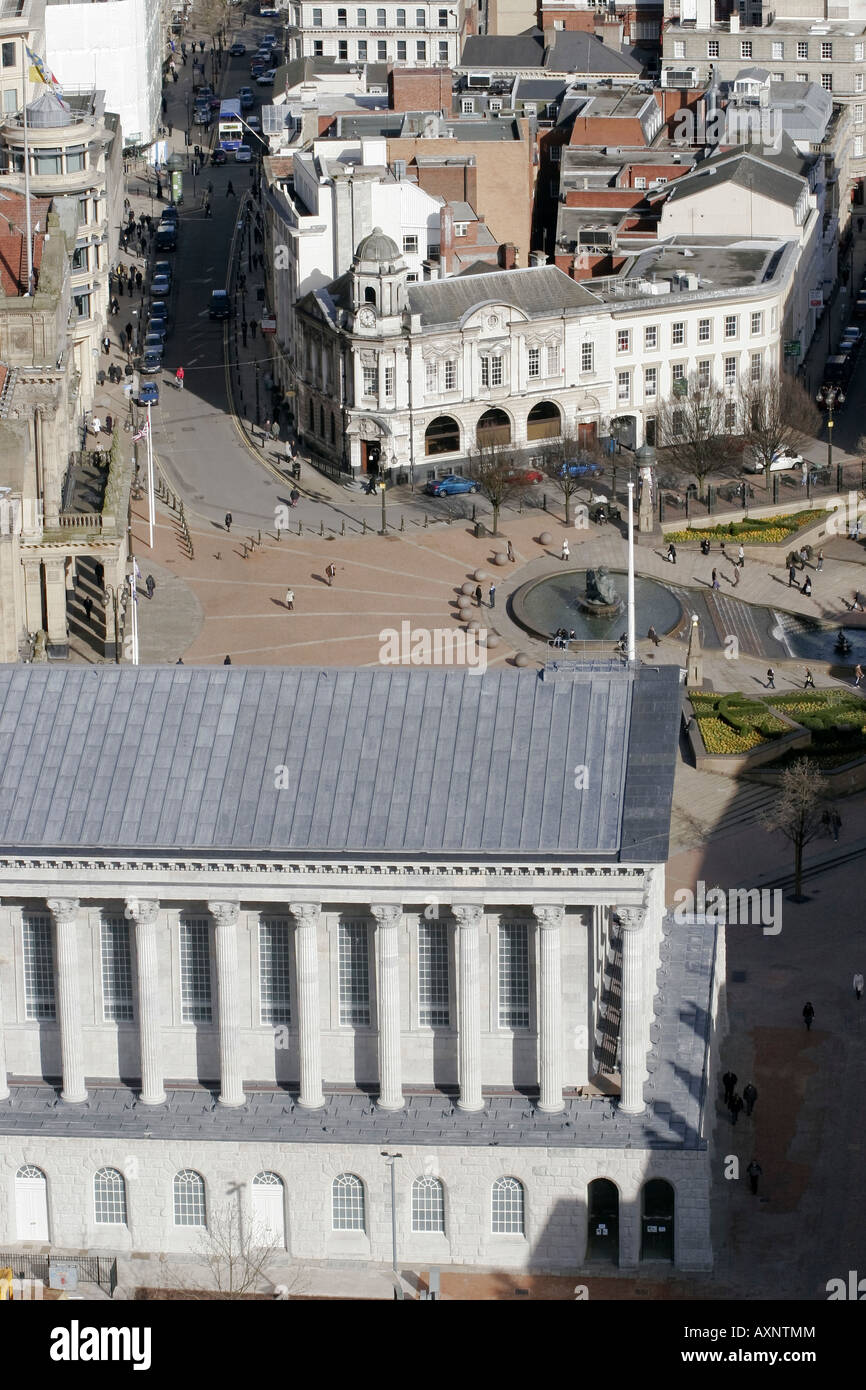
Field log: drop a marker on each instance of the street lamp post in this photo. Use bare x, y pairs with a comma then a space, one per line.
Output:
390, 1159
384, 520
831, 396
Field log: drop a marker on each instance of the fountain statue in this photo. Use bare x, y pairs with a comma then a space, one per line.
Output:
601, 596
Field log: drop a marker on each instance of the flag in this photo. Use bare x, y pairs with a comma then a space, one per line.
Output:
142, 433
40, 73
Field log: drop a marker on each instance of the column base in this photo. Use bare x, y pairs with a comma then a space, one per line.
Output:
152, 1100
231, 1103
551, 1109
313, 1104
631, 1109
471, 1107
73, 1099
58, 651
391, 1105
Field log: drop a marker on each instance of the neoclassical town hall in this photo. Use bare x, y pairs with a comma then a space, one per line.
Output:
258, 926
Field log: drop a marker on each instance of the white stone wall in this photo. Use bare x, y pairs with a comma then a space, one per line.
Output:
115, 45
555, 1184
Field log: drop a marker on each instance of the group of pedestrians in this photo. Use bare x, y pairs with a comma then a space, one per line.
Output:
736, 1104
479, 595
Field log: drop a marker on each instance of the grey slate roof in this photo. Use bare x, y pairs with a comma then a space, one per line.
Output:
747, 172
574, 51
536, 290
503, 51
388, 759
675, 1094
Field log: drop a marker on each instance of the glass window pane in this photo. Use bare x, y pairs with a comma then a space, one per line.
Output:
513, 975
354, 974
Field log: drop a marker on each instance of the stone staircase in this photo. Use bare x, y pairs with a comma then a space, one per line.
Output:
708, 805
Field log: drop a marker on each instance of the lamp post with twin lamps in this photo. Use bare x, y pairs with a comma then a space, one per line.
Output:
831, 397
390, 1159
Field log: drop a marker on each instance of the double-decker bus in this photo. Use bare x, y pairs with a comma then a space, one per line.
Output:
231, 130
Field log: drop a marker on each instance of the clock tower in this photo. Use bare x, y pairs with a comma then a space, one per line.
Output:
378, 285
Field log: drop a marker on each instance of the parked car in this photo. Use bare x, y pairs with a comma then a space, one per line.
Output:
258, 63
449, 486
219, 157
860, 307
166, 237
243, 154
268, 11
158, 326
246, 99
238, 49
160, 285
266, 78
220, 305
154, 339
254, 122
162, 268
148, 393
267, 39
169, 214
159, 309
780, 462
526, 475
151, 361
581, 468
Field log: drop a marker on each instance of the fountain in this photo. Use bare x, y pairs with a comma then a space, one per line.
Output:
588, 604
601, 599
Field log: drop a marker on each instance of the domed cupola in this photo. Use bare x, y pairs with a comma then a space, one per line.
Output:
378, 279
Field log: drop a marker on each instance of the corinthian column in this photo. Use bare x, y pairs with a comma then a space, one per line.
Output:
4, 1083
468, 917
633, 1038
550, 1008
387, 919
309, 1019
143, 915
225, 916
65, 914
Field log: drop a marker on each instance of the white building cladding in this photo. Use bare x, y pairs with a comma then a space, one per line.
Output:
303, 922
115, 45
404, 376
412, 35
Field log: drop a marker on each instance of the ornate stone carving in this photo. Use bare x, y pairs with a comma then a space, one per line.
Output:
144, 911
386, 914
631, 918
224, 914
549, 915
63, 909
467, 914
306, 914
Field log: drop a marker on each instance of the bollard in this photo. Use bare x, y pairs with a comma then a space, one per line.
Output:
426, 521
260, 538
473, 511
449, 518
363, 526
544, 501
279, 534
244, 544
321, 528
402, 522
300, 528
343, 527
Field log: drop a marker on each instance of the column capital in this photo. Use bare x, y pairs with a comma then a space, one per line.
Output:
386, 914
306, 914
467, 914
142, 911
224, 914
632, 918
63, 909
549, 915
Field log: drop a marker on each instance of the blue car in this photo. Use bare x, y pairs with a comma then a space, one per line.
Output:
449, 486
581, 468
148, 393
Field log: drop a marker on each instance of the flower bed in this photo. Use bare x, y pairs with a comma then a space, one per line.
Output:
835, 719
768, 529
733, 723
719, 737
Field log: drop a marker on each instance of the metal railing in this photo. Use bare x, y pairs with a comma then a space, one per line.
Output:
91, 1269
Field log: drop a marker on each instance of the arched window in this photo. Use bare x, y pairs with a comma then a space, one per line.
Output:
442, 436
369, 295
269, 1216
348, 1203
189, 1201
494, 427
428, 1205
401, 19
31, 1204
109, 1197
507, 1212
544, 421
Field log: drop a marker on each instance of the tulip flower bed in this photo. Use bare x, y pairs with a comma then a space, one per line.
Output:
835, 718
765, 530
733, 723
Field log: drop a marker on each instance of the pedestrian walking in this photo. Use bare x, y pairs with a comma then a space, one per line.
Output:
754, 1171
741, 557
158, 187
672, 553
715, 580
771, 678
228, 521
129, 333
227, 661
792, 575
808, 1015
478, 595
290, 600
139, 280
858, 986
253, 327
178, 378
729, 1081
835, 824
96, 426
810, 684
122, 341
807, 587
511, 552
207, 211
492, 595
109, 424
750, 1095
331, 572
106, 344
820, 564
653, 636
150, 585
858, 674
275, 431
565, 550
735, 1105
88, 607
230, 191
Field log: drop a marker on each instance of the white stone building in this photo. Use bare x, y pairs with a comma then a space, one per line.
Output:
413, 35
115, 45
271, 922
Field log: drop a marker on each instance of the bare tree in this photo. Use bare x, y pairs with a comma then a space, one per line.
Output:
496, 470
775, 413
555, 458
235, 1256
692, 427
799, 812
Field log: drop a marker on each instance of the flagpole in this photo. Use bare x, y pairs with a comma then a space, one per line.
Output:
151, 502
632, 654
132, 586
27, 199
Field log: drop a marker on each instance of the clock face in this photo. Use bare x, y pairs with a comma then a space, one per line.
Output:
367, 317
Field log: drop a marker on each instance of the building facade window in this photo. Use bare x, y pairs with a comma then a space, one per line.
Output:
651, 337
433, 1002
507, 1218
317, 19
650, 382
756, 322
38, 953
730, 415
756, 366
534, 361
827, 81
731, 325
342, 19
431, 383
491, 370
116, 970
343, 50
401, 50
587, 357
858, 53
109, 1198
370, 381
362, 50
746, 48
354, 974
705, 372
450, 374
858, 113
679, 48
678, 334
712, 48
826, 52
274, 1002
623, 386
858, 146
730, 371
381, 50
421, 51
195, 981
420, 19
389, 380
189, 1199
8, 52
401, 19
553, 359
778, 50
802, 49
705, 330
362, 19
623, 340
380, 19
513, 975
858, 82
428, 1206
347, 1203
467, 105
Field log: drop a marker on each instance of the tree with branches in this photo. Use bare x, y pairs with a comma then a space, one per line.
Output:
775, 413
234, 1257
496, 470
692, 427
800, 812
558, 453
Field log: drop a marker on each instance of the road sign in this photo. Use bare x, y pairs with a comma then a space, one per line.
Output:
792, 348
816, 299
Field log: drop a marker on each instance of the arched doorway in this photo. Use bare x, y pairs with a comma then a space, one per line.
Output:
269, 1210
493, 428
544, 421
442, 436
602, 1242
657, 1220
31, 1204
